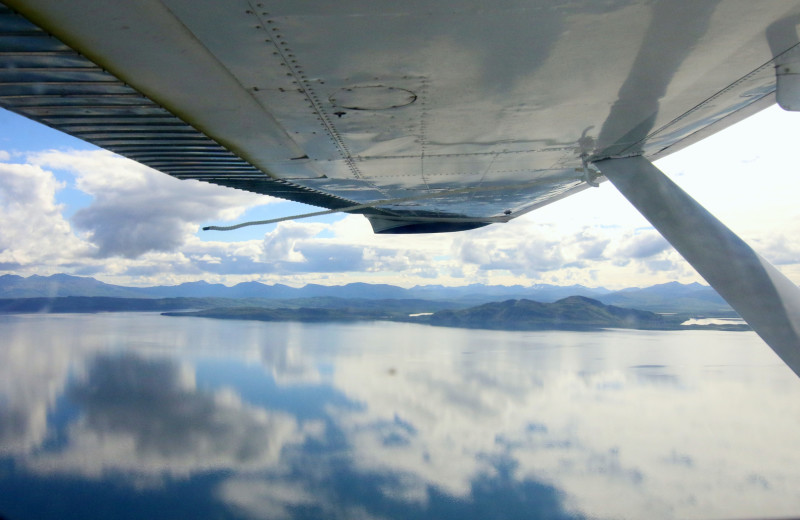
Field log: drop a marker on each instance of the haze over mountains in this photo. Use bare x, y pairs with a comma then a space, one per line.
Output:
669, 297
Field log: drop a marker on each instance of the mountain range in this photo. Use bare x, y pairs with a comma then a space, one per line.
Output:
668, 297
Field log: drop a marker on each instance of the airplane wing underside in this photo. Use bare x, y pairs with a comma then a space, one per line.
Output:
456, 113
424, 116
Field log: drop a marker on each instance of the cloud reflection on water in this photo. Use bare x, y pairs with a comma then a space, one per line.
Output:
146, 416
708, 429
412, 421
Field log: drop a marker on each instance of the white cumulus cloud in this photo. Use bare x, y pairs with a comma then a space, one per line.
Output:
33, 228
136, 209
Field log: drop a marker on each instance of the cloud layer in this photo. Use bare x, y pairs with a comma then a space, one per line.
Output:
140, 226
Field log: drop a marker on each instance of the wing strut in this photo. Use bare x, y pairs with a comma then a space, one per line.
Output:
761, 294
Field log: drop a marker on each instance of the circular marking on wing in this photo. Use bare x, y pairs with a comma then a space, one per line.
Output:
373, 97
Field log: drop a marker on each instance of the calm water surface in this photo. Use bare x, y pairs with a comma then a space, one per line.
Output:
141, 416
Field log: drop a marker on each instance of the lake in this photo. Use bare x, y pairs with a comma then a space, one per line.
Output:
135, 415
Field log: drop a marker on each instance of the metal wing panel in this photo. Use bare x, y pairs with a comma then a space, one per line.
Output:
367, 101
45, 80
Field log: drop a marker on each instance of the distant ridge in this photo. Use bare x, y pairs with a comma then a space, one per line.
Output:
668, 297
35, 286
13, 286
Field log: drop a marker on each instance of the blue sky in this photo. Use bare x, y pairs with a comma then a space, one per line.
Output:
67, 206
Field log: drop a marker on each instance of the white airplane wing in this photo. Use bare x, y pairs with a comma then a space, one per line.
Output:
339, 104
423, 116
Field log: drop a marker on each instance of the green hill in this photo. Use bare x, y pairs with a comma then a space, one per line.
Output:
573, 313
